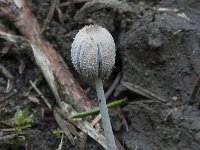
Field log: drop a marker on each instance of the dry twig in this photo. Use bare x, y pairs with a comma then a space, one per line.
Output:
50, 14
63, 125
6, 73
113, 86
13, 93
41, 95
141, 91
195, 91
64, 4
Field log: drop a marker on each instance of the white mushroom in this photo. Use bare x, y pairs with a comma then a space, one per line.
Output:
93, 56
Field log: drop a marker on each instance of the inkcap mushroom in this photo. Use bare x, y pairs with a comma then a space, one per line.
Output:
93, 56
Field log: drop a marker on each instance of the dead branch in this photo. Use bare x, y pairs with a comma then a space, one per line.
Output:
19, 13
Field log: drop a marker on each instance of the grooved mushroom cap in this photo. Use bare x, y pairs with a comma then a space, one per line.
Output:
93, 52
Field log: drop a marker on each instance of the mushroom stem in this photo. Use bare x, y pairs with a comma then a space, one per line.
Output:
105, 116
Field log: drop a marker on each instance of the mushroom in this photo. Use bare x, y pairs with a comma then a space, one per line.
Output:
93, 56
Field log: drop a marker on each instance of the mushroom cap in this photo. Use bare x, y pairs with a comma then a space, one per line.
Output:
93, 52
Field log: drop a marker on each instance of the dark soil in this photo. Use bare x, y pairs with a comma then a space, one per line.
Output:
157, 50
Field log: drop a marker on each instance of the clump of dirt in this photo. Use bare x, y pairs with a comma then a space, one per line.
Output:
162, 54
